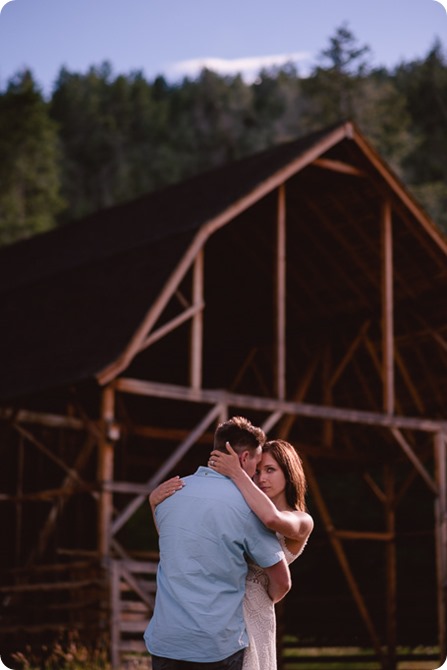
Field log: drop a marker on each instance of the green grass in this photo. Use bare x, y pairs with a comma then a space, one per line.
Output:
355, 658
70, 654
67, 654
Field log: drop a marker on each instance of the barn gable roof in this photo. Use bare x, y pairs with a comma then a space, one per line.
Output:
72, 299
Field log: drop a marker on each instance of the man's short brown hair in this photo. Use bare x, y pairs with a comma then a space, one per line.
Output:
240, 433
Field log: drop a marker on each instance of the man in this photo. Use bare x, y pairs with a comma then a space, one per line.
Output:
206, 530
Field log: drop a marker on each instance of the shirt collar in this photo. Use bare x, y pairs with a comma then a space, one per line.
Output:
204, 471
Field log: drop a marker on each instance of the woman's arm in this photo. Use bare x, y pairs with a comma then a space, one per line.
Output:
279, 580
294, 525
163, 491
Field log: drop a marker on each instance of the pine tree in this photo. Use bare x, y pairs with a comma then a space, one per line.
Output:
29, 170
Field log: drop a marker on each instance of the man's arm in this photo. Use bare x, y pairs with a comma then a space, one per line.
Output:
280, 581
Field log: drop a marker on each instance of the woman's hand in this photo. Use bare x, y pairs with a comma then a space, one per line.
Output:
164, 490
226, 464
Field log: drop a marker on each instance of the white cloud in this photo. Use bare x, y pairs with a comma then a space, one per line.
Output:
248, 68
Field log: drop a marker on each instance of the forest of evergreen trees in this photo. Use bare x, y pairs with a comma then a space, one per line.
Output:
102, 138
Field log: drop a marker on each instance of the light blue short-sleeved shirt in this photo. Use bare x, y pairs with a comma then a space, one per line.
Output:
206, 529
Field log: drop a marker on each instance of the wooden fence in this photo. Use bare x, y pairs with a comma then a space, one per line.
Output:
43, 602
132, 598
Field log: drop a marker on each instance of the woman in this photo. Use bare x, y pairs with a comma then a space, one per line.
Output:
277, 497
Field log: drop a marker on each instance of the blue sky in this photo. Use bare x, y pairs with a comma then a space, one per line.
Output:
176, 37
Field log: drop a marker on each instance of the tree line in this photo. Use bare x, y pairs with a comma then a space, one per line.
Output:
101, 139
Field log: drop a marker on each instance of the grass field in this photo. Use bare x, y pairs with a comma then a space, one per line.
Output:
356, 658
74, 656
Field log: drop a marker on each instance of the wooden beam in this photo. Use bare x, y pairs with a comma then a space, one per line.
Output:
391, 565
423, 334
171, 325
243, 368
50, 586
127, 487
250, 363
406, 448
41, 447
115, 613
271, 421
396, 186
409, 382
167, 466
142, 333
182, 299
281, 294
105, 472
364, 384
412, 475
363, 535
387, 309
438, 339
187, 394
365, 235
371, 349
46, 495
208, 228
440, 447
330, 261
41, 418
427, 374
19, 508
349, 353
339, 166
167, 434
68, 484
300, 393
375, 488
196, 346
333, 233
51, 568
327, 436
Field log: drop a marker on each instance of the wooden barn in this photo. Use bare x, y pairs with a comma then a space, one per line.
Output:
302, 287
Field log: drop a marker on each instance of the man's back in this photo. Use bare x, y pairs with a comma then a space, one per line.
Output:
205, 531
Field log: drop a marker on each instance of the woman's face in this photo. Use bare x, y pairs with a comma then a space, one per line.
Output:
269, 477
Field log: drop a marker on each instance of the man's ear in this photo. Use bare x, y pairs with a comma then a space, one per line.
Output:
244, 456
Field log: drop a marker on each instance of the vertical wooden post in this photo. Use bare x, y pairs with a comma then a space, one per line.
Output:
19, 504
105, 472
328, 426
223, 416
441, 540
115, 614
391, 572
197, 324
281, 294
387, 309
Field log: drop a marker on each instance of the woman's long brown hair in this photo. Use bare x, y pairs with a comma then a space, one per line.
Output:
291, 464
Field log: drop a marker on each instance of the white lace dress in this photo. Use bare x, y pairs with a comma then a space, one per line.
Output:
260, 619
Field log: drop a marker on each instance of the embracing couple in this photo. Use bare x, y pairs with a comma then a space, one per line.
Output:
226, 536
